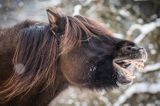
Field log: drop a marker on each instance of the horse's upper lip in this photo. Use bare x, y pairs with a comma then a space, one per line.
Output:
125, 63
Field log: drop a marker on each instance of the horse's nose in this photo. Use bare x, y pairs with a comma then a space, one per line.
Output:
130, 49
135, 50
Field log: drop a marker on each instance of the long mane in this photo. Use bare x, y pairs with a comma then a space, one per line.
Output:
37, 52
34, 62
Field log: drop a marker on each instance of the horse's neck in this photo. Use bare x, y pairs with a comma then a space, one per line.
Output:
8, 42
7, 39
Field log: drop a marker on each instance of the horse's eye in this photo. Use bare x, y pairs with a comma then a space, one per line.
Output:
86, 39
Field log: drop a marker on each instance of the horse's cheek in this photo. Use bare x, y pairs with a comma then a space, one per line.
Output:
74, 71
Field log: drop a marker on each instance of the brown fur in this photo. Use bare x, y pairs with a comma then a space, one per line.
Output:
43, 68
53, 57
8, 40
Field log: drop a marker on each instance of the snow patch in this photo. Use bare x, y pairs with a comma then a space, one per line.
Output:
144, 29
19, 68
138, 88
77, 9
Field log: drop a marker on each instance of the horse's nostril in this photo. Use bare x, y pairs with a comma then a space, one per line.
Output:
128, 48
131, 49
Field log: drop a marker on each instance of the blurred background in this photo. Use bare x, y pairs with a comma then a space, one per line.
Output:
136, 20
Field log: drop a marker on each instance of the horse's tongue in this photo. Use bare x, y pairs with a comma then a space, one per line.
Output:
128, 73
138, 63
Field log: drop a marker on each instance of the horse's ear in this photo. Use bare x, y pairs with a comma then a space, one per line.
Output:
56, 19
54, 15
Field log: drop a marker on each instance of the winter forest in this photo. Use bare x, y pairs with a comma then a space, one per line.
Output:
135, 20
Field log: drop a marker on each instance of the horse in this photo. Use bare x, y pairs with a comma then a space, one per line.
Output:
39, 60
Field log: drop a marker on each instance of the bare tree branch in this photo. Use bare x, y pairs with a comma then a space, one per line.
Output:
138, 88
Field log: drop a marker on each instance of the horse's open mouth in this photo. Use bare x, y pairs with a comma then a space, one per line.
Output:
125, 69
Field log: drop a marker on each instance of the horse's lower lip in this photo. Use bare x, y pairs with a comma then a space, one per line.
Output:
123, 80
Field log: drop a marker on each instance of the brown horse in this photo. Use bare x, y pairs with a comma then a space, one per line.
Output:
39, 60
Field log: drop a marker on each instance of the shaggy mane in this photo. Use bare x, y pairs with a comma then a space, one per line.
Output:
36, 56
78, 27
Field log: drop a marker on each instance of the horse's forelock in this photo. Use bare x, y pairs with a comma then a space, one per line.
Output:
78, 26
